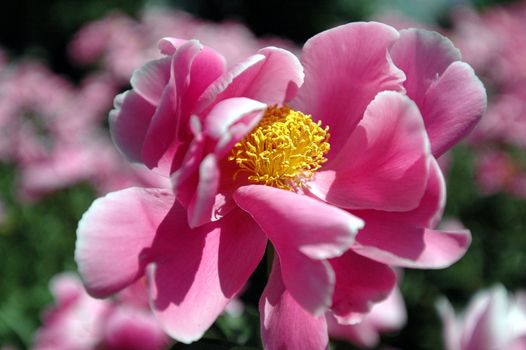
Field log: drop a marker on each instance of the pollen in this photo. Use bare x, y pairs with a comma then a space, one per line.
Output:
284, 150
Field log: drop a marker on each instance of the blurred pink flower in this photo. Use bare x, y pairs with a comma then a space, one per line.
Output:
77, 321
392, 100
493, 320
496, 171
52, 132
102, 40
386, 316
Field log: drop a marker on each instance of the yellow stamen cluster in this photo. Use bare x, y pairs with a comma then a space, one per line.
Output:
284, 150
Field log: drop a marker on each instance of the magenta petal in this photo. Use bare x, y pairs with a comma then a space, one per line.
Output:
284, 323
318, 230
401, 244
129, 121
113, 234
423, 56
149, 80
196, 272
308, 231
429, 211
272, 76
193, 68
453, 106
338, 90
360, 282
384, 165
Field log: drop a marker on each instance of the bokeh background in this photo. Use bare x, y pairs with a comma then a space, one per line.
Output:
56, 156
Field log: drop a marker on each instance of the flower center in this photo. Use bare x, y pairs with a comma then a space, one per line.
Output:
284, 150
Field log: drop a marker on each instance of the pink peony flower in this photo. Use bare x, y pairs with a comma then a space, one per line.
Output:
493, 320
300, 154
77, 321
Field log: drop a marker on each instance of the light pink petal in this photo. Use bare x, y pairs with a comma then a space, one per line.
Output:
304, 232
129, 121
169, 45
360, 282
200, 209
196, 272
362, 334
345, 68
284, 323
402, 244
453, 105
384, 165
132, 329
230, 120
489, 329
390, 314
272, 77
149, 80
113, 234
66, 288
423, 56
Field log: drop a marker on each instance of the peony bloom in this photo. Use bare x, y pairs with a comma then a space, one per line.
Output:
77, 321
330, 158
493, 320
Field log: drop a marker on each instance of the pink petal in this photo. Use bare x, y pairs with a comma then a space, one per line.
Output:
113, 234
487, 328
384, 165
304, 232
169, 45
132, 329
388, 315
401, 244
451, 329
429, 211
449, 94
423, 56
193, 68
201, 206
338, 90
362, 334
453, 105
360, 282
284, 323
149, 80
196, 272
129, 121
230, 120
272, 77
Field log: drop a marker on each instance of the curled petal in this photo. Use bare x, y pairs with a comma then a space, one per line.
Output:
384, 164
401, 244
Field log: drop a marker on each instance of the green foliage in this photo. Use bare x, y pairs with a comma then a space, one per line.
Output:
36, 242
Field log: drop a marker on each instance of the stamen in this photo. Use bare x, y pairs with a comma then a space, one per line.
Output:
284, 150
